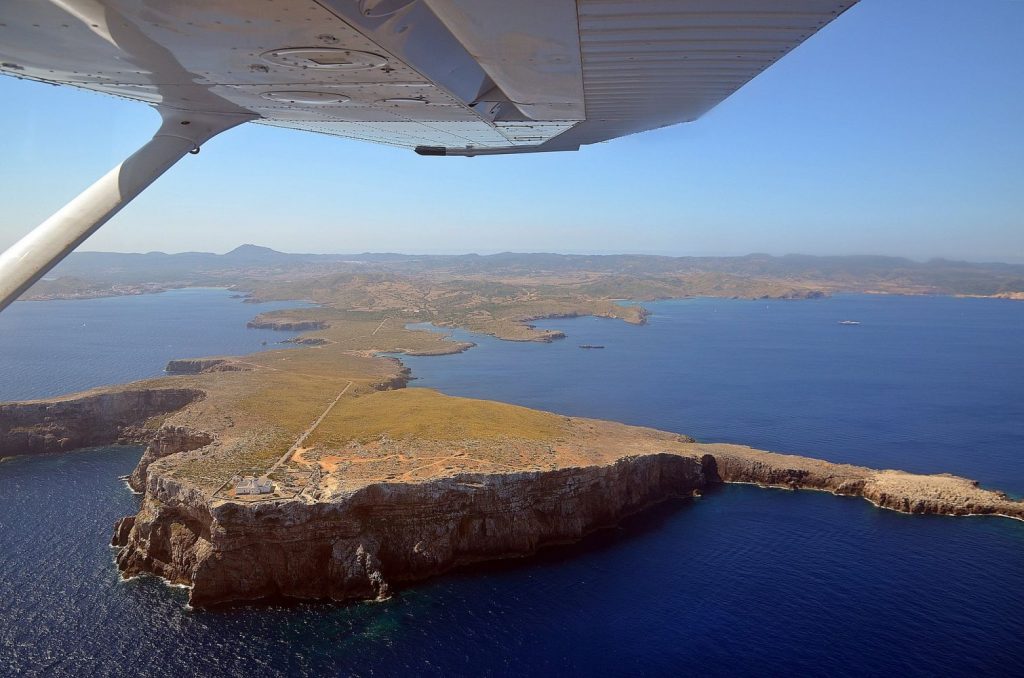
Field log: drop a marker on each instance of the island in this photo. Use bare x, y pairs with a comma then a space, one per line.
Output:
316, 472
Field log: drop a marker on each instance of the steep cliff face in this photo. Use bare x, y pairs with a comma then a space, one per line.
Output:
356, 545
166, 441
86, 420
940, 494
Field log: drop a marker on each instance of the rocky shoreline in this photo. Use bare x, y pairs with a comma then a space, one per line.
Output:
387, 493
360, 541
205, 366
936, 494
361, 544
285, 324
101, 416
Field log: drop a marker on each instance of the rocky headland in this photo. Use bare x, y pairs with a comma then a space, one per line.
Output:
125, 415
386, 512
938, 494
364, 504
375, 485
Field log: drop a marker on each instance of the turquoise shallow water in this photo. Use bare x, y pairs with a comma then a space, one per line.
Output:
743, 581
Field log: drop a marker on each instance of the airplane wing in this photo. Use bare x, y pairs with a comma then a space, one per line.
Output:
442, 77
447, 76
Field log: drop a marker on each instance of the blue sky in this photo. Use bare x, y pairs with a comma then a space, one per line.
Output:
896, 130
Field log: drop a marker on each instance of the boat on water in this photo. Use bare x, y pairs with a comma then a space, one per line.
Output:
849, 322
591, 346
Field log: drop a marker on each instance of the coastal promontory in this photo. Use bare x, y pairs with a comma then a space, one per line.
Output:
316, 472
397, 486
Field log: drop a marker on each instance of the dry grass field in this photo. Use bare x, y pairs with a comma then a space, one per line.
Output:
258, 407
424, 414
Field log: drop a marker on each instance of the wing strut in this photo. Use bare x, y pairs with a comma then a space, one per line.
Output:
28, 260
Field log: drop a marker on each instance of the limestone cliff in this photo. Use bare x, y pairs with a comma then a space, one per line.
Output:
358, 544
100, 417
167, 440
384, 487
941, 494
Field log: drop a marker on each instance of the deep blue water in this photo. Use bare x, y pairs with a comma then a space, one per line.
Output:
55, 347
926, 384
742, 581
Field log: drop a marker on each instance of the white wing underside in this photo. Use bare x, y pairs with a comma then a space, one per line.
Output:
455, 77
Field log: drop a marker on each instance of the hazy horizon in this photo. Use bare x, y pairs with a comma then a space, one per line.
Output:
894, 130
581, 253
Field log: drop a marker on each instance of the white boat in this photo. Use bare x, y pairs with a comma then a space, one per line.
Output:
849, 322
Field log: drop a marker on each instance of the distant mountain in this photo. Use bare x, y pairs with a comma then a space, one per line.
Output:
256, 253
118, 267
248, 262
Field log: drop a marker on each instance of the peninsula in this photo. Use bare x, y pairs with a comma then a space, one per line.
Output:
315, 472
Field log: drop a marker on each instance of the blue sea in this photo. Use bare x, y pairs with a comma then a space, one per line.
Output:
49, 348
742, 581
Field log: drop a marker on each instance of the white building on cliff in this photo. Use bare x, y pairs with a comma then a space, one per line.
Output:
253, 485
